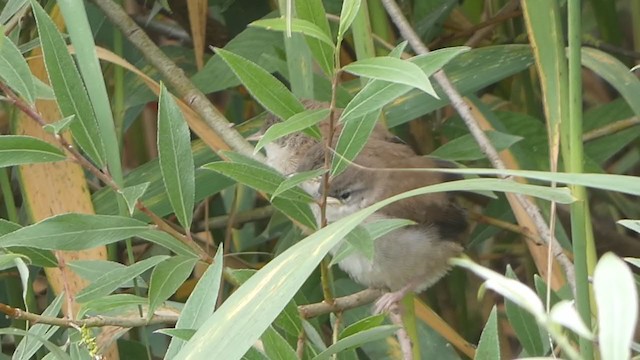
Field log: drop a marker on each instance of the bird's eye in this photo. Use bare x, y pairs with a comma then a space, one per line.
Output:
345, 195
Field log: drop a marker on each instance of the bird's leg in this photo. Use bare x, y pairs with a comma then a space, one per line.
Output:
395, 314
386, 301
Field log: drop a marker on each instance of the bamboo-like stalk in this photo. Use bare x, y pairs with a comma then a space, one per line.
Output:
581, 231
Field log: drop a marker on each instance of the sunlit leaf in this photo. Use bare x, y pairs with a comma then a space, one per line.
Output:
167, 277
297, 25
14, 70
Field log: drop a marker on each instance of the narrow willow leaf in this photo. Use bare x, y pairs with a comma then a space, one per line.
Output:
276, 347
615, 73
179, 334
56, 352
347, 15
633, 261
259, 178
74, 232
489, 344
263, 86
43, 91
176, 160
297, 211
200, 304
20, 150
297, 25
296, 180
525, 326
296, 123
466, 148
397, 51
7, 226
374, 334
564, 313
112, 280
37, 257
109, 303
246, 314
352, 140
39, 332
60, 125
10, 9
313, 11
377, 93
617, 299
167, 278
363, 324
131, 194
165, 240
7, 261
393, 70
92, 269
358, 240
14, 70
68, 87
631, 224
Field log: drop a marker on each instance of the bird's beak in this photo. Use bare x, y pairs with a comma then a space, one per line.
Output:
255, 137
331, 201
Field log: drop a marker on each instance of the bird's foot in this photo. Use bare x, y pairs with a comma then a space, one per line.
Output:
389, 301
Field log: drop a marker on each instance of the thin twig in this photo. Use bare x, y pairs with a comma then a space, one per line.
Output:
481, 138
97, 321
352, 301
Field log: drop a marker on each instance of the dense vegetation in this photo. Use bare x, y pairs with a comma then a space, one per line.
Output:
138, 222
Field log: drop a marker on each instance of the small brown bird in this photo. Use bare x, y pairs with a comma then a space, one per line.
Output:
285, 153
407, 259
410, 258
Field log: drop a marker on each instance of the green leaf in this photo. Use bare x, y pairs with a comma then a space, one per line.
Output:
74, 232
377, 93
247, 313
363, 324
564, 313
393, 70
39, 333
382, 227
296, 123
466, 148
264, 87
113, 279
357, 240
313, 11
297, 25
19, 150
72, 98
10, 9
60, 125
347, 15
176, 160
494, 63
165, 240
352, 140
14, 70
179, 334
297, 179
8, 261
617, 299
93, 269
259, 178
110, 303
633, 261
630, 224
37, 257
132, 194
489, 344
167, 278
200, 304
355, 340
276, 347
615, 73
297, 211
7, 226
525, 326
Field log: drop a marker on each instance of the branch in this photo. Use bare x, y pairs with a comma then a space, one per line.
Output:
174, 76
363, 297
97, 321
481, 138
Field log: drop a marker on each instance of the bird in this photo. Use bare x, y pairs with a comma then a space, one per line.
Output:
411, 258
285, 153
